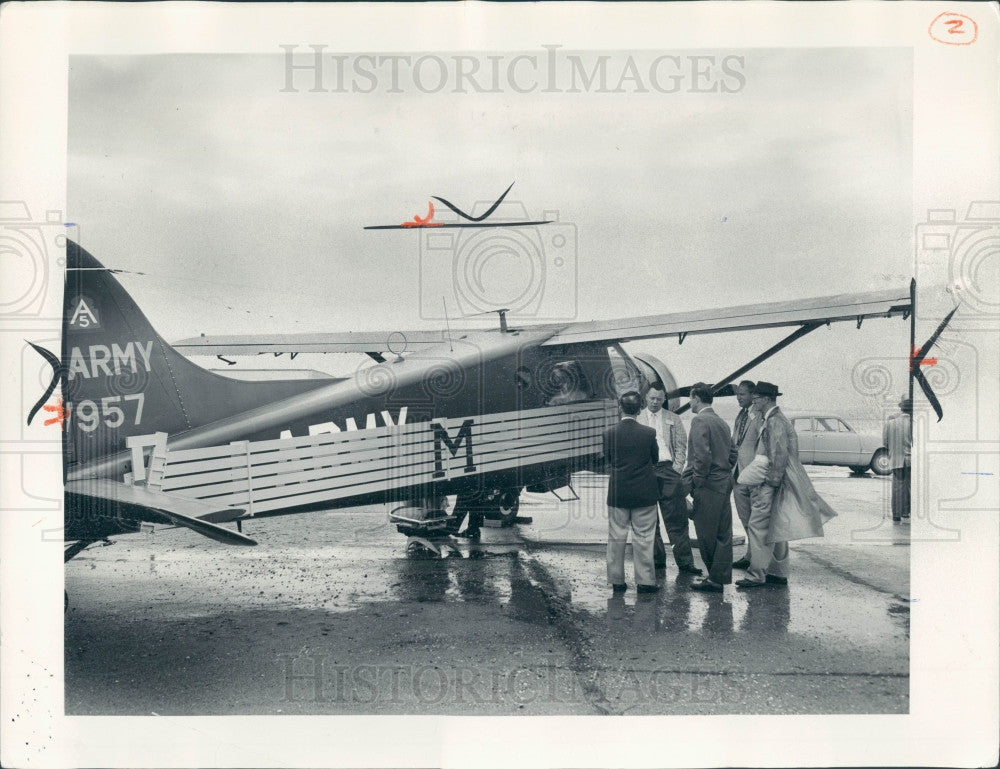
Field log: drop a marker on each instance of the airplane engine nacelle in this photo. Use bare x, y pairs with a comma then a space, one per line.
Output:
655, 371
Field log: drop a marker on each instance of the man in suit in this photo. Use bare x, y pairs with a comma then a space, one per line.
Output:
769, 562
671, 442
630, 452
745, 432
896, 438
711, 478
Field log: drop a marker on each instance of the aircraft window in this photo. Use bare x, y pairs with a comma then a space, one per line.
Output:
802, 425
842, 426
828, 425
567, 383
625, 375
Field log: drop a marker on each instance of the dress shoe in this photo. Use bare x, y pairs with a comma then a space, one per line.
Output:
743, 564
647, 588
743, 584
706, 586
689, 570
770, 579
619, 588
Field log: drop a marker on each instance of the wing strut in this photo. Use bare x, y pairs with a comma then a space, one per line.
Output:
800, 332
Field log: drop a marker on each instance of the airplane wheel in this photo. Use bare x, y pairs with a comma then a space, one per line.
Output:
508, 504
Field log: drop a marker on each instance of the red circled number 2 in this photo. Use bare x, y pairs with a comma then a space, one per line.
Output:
953, 29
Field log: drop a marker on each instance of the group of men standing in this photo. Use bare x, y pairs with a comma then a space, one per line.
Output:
653, 464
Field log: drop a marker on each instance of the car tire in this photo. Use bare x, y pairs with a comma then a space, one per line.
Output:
858, 469
880, 463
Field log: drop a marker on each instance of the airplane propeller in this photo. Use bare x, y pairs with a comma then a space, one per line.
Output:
916, 360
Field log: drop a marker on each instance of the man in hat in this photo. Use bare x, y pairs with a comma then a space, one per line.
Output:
711, 478
631, 453
896, 438
769, 562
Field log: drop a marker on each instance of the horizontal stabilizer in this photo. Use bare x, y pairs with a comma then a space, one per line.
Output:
139, 501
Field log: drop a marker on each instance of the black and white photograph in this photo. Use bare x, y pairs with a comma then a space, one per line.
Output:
478, 361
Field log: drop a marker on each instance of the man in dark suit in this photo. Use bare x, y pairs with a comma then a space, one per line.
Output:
710, 472
631, 454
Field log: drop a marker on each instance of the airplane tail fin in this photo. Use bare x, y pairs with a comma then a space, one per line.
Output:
120, 378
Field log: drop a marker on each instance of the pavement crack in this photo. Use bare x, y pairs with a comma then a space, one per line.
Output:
840, 571
562, 617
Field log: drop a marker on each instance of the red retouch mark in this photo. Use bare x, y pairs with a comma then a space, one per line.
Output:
61, 415
925, 361
38, 522
426, 221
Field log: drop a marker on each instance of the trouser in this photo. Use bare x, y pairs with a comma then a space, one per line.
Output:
764, 558
641, 520
901, 493
713, 522
673, 510
741, 498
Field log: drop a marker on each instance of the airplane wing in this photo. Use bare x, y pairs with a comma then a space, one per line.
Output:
364, 342
827, 309
751, 316
158, 505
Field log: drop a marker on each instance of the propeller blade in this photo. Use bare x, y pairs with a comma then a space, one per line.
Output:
919, 356
685, 392
928, 392
54, 362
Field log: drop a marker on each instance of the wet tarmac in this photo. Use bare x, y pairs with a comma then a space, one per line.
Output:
328, 614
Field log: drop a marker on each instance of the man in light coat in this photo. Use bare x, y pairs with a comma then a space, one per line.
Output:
785, 507
671, 440
896, 438
769, 562
746, 430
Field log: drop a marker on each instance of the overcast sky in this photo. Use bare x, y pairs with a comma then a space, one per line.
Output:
245, 205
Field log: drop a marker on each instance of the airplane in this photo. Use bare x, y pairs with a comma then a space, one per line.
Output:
483, 414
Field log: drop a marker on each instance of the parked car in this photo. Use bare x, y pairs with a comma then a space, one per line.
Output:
826, 439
